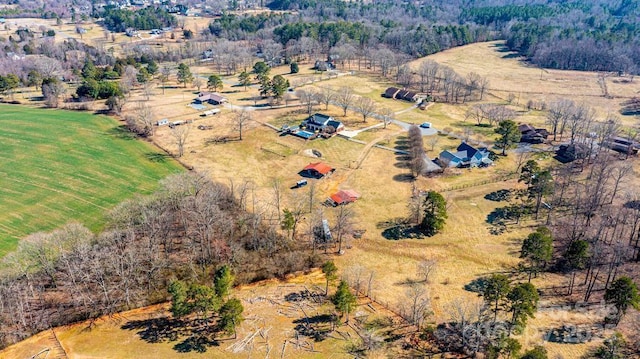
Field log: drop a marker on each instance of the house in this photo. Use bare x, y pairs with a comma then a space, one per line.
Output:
572, 152
322, 123
317, 170
320, 65
391, 92
531, 134
411, 96
343, 197
210, 97
465, 156
401, 94
407, 95
622, 145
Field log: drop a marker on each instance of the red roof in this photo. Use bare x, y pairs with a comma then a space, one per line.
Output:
319, 167
345, 196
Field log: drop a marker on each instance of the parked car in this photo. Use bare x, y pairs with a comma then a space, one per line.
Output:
426, 125
301, 183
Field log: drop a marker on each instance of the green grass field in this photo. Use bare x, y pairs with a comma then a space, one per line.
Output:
60, 166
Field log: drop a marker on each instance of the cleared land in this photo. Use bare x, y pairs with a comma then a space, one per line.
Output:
60, 166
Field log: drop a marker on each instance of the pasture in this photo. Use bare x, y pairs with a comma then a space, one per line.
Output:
60, 166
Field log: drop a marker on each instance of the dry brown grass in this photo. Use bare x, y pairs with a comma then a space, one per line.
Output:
509, 74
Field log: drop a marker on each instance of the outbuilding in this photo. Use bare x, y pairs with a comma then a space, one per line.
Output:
317, 170
343, 197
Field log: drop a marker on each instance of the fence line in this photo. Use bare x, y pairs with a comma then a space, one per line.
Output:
481, 183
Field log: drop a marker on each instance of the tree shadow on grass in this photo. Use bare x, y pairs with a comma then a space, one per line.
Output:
197, 342
198, 336
499, 195
317, 327
157, 157
477, 285
499, 218
157, 330
122, 132
403, 177
399, 228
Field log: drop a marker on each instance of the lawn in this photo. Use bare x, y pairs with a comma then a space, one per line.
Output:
59, 166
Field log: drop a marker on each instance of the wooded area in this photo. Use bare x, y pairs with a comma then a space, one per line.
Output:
186, 231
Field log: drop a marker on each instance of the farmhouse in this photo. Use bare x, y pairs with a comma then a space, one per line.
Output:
317, 170
322, 123
465, 156
210, 97
343, 197
531, 134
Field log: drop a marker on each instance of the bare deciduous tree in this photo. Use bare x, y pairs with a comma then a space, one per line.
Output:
344, 222
144, 119
240, 119
344, 98
558, 116
425, 269
308, 99
197, 82
326, 95
404, 76
129, 79
52, 93
428, 74
180, 134
165, 74
365, 106
416, 307
387, 116
433, 141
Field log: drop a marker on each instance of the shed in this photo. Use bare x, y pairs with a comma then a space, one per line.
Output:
344, 197
317, 170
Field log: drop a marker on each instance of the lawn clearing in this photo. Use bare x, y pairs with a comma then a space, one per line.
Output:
59, 166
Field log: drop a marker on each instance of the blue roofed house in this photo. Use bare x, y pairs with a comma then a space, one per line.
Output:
465, 156
322, 123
